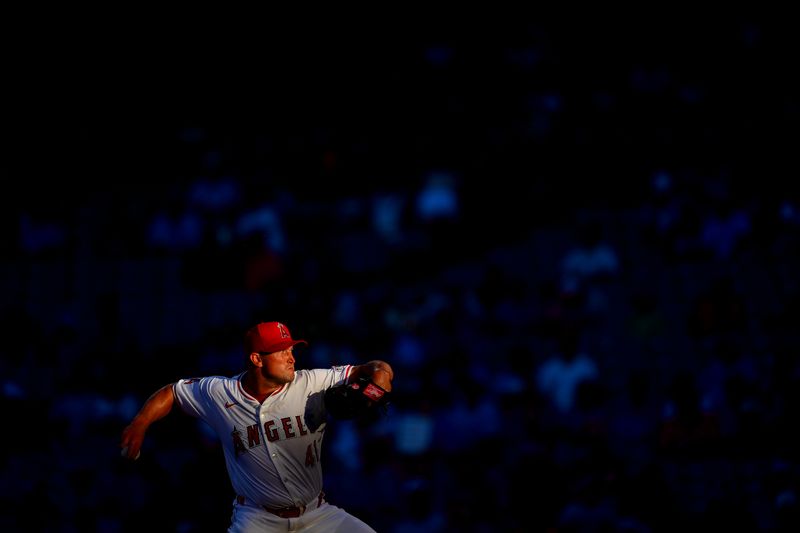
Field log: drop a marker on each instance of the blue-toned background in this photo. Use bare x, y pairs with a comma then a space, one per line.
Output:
576, 244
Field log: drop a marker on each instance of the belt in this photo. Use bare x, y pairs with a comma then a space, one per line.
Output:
285, 512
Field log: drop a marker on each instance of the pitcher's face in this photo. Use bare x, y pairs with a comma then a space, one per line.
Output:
278, 366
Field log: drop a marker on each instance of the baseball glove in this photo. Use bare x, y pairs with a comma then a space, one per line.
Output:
361, 399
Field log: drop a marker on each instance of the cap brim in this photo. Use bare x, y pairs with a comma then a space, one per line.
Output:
284, 345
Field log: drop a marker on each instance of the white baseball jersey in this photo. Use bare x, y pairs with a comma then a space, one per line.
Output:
272, 449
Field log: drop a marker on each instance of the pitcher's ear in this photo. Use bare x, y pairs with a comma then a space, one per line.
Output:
255, 359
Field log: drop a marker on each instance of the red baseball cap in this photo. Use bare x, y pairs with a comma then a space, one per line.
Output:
269, 337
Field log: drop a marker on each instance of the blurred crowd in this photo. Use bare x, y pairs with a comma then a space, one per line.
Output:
589, 332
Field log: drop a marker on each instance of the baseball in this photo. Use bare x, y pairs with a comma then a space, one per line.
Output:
124, 453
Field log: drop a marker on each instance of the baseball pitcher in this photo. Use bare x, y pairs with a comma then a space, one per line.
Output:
271, 420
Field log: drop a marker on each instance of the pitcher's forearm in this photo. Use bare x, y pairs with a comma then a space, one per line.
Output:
157, 406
